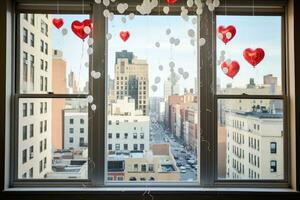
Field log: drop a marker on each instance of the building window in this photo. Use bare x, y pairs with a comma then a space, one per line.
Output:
109, 147
24, 156
31, 109
42, 64
42, 46
117, 147
31, 172
25, 35
134, 135
81, 141
81, 121
32, 39
117, 135
125, 147
41, 146
81, 130
41, 127
45, 143
71, 140
71, 130
41, 166
273, 166
24, 109
31, 152
110, 135
135, 147
142, 135
32, 20
273, 147
71, 121
25, 66
41, 83
24, 133
31, 130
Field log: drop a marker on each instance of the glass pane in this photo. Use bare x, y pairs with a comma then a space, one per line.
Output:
152, 119
250, 139
259, 73
52, 60
53, 138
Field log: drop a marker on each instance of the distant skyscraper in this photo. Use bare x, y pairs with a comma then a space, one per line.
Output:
73, 83
131, 79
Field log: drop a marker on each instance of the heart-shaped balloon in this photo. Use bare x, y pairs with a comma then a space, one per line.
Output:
124, 35
171, 2
254, 57
226, 33
58, 22
230, 69
78, 27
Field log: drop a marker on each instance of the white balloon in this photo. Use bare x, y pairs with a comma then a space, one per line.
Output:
125, 6
97, 75
157, 44
168, 31
90, 41
191, 33
171, 64
211, 7
93, 73
198, 3
220, 36
64, 31
199, 11
172, 40
216, 3
108, 36
90, 50
194, 20
185, 75
98, 1
190, 3
106, 13
120, 7
180, 70
160, 67
86, 65
87, 29
208, 2
123, 19
157, 80
223, 52
228, 35
154, 88
225, 70
90, 99
93, 107
166, 9
192, 42
177, 42
131, 16
202, 41
111, 16
106, 2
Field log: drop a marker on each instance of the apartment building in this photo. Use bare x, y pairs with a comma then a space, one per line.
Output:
127, 129
254, 145
35, 116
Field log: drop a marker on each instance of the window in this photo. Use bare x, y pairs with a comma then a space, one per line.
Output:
24, 109
31, 172
32, 19
31, 152
32, 39
31, 108
24, 132
25, 35
273, 147
151, 112
25, 66
24, 156
273, 166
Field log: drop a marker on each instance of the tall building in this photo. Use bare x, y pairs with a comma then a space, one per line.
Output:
35, 118
254, 145
59, 83
73, 84
131, 79
171, 88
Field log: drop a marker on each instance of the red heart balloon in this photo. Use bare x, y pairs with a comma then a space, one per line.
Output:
254, 57
230, 69
171, 2
58, 22
124, 35
226, 33
78, 27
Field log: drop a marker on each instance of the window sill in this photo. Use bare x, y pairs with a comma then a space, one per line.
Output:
153, 189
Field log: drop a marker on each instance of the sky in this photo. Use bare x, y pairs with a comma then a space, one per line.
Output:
145, 31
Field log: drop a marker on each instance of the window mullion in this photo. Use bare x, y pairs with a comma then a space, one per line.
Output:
98, 89
206, 83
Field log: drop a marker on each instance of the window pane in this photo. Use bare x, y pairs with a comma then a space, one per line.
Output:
53, 60
248, 130
152, 121
251, 32
46, 149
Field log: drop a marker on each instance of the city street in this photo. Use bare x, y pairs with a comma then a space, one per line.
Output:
158, 135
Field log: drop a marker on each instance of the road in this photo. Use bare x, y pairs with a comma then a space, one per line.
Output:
159, 135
